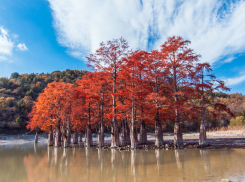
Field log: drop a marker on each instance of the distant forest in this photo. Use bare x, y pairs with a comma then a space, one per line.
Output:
18, 93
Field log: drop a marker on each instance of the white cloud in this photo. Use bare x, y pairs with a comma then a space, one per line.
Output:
22, 47
236, 80
216, 32
6, 45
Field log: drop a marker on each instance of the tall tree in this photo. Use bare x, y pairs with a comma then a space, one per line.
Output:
180, 62
204, 88
157, 74
108, 58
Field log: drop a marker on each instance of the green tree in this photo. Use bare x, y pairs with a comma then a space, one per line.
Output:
14, 75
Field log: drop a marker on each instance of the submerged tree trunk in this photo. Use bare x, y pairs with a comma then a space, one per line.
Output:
101, 130
128, 140
158, 134
133, 132
123, 134
143, 134
62, 131
89, 141
101, 136
69, 132
36, 136
58, 136
75, 137
80, 139
114, 135
178, 137
50, 137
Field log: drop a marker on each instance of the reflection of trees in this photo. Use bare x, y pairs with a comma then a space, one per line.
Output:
80, 164
179, 158
205, 159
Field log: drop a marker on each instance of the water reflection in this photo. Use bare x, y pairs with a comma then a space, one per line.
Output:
205, 159
83, 164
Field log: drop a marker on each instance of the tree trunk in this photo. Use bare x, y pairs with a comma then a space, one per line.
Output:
101, 130
62, 131
80, 137
58, 136
158, 134
65, 143
178, 138
89, 140
101, 136
133, 132
75, 137
128, 140
114, 127
114, 135
143, 134
50, 137
36, 136
202, 135
69, 133
123, 134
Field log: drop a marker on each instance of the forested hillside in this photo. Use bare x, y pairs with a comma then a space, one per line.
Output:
18, 92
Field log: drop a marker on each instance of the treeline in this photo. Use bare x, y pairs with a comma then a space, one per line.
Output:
18, 92
128, 90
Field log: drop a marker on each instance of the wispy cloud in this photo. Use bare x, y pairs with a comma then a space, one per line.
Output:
230, 59
15, 36
6, 45
22, 47
236, 80
4, 59
216, 28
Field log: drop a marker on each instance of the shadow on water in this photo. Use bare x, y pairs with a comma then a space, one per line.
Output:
43, 163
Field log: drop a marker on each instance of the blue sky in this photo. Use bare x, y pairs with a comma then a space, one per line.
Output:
49, 35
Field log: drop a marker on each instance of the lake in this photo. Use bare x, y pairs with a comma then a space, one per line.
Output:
41, 163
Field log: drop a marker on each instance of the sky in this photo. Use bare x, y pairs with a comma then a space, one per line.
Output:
48, 35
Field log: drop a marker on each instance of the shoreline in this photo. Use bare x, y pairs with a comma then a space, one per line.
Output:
215, 139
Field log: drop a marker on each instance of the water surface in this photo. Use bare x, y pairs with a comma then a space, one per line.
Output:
41, 163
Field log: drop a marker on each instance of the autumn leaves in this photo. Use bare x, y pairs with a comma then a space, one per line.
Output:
126, 89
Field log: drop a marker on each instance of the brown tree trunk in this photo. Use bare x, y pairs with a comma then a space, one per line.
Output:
62, 131
123, 134
65, 137
143, 134
58, 136
69, 133
101, 130
114, 127
101, 136
128, 140
114, 135
158, 134
202, 134
89, 141
80, 137
178, 137
75, 137
50, 137
133, 132
36, 136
